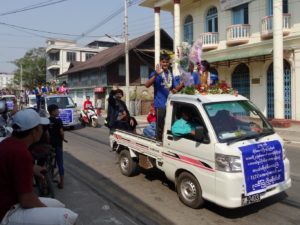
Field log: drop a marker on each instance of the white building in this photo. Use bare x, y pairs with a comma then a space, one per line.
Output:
60, 53
5, 80
237, 38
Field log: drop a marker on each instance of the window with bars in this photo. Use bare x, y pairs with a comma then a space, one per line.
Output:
88, 55
144, 73
71, 56
285, 7
188, 29
240, 14
122, 70
212, 20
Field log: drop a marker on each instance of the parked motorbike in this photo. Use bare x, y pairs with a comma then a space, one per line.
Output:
89, 117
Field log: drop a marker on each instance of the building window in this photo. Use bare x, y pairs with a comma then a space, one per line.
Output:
188, 29
71, 56
122, 70
240, 14
285, 7
212, 20
241, 80
88, 55
54, 56
144, 72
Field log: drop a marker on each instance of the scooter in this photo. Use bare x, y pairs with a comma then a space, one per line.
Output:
89, 117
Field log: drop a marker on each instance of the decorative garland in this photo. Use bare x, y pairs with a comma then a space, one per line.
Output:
167, 81
221, 88
187, 54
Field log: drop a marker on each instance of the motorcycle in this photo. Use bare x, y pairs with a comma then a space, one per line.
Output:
89, 117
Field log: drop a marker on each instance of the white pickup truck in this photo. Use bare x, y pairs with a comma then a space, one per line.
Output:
234, 159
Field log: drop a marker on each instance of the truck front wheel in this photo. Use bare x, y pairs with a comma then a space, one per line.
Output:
127, 165
189, 190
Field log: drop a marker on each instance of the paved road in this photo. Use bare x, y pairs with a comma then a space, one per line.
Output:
149, 198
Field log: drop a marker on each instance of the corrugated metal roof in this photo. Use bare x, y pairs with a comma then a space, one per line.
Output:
108, 55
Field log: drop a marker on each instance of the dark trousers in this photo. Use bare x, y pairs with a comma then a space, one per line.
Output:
60, 160
160, 122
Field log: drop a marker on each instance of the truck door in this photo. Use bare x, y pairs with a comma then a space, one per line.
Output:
184, 151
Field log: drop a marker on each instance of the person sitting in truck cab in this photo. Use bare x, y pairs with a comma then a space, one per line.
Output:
225, 121
184, 125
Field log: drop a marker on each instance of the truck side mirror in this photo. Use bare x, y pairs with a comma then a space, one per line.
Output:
200, 135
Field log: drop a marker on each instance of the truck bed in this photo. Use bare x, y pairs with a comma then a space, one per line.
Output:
138, 143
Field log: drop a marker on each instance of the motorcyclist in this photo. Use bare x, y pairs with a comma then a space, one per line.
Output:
87, 104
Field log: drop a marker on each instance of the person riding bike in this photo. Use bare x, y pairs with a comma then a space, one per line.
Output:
19, 204
87, 104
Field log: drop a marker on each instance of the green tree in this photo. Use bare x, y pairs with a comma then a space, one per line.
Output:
33, 66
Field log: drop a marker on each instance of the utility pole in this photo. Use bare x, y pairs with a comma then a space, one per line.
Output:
126, 55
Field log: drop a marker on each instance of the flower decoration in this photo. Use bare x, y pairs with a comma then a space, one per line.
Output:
187, 54
221, 88
196, 52
183, 52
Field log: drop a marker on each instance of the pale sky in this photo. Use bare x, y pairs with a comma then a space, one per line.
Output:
71, 17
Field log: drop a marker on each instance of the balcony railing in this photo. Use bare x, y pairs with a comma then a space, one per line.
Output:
267, 26
53, 63
238, 34
210, 40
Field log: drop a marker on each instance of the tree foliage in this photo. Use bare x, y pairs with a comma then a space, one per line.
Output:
32, 67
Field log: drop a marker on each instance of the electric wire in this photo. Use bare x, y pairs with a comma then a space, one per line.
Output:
34, 6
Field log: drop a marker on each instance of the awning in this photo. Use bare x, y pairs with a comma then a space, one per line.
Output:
238, 54
99, 89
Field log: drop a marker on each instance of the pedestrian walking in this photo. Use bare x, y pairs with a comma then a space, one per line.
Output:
99, 106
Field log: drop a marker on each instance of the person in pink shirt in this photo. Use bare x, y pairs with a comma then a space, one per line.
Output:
63, 89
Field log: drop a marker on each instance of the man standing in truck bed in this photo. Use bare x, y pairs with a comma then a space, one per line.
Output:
164, 83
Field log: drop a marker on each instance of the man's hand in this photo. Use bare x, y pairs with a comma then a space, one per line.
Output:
174, 91
38, 171
158, 70
131, 122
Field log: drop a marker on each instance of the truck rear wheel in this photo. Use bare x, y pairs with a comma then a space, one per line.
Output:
189, 190
127, 165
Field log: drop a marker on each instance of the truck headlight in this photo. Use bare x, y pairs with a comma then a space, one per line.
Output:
228, 163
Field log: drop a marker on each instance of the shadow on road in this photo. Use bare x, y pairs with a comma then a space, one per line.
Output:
113, 193
247, 210
155, 174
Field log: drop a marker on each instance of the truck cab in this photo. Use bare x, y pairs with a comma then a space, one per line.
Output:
234, 158
67, 109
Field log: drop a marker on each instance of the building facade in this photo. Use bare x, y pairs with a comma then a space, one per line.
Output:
60, 53
6, 79
97, 76
237, 38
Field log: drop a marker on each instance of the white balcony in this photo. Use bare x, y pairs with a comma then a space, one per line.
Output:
210, 40
238, 34
267, 26
53, 64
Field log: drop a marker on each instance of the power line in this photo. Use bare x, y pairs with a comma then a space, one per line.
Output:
36, 30
34, 6
107, 19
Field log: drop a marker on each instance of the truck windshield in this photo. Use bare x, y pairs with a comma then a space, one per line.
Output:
62, 102
237, 120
